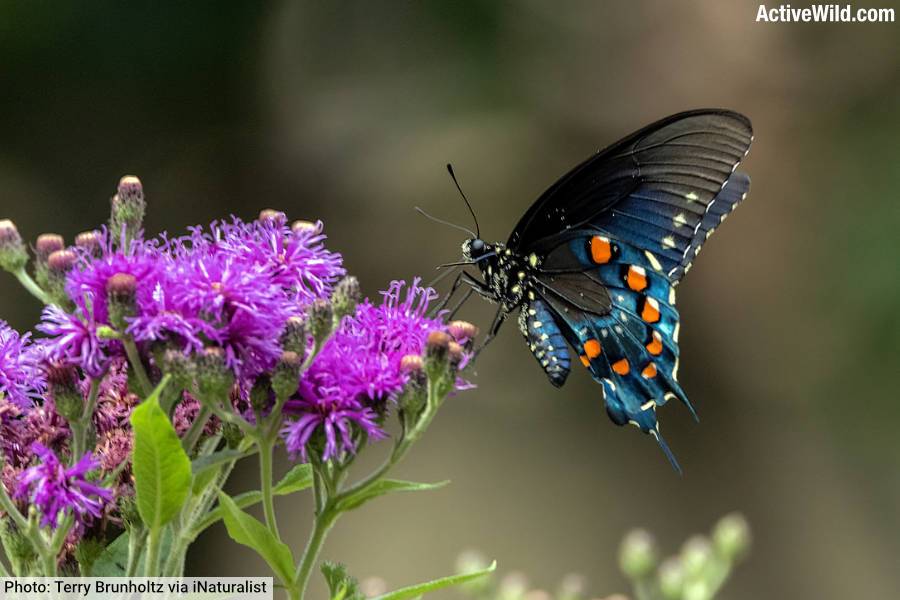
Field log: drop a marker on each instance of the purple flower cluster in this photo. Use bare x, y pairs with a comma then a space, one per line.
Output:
57, 490
232, 285
359, 370
21, 380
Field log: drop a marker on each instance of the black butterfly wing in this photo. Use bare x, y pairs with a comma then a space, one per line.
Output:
616, 234
655, 189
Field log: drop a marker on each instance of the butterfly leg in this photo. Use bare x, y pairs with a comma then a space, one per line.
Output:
459, 304
499, 318
446, 300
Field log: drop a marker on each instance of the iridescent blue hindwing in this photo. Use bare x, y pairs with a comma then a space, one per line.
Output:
632, 349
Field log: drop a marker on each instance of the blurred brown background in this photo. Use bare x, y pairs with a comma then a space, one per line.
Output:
348, 111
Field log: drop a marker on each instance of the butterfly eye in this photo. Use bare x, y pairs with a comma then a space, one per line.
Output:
477, 247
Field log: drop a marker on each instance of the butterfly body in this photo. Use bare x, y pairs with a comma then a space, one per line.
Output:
593, 264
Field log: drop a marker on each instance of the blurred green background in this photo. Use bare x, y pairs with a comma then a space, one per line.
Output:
348, 112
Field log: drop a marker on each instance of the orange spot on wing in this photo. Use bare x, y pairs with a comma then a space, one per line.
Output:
585, 360
601, 250
649, 371
636, 278
592, 348
650, 312
654, 346
621, 367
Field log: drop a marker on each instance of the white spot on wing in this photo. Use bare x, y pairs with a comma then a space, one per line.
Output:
654, 262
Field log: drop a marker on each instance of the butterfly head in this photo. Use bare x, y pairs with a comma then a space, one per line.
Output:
475, 249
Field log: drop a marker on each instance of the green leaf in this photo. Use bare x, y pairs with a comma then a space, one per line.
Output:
414, 591
385, 486
113, 560
246, 530
297, 479
162, 470
340, 583
206, 467
216, 459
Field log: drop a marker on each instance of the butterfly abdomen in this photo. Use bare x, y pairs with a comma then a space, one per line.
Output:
546, 341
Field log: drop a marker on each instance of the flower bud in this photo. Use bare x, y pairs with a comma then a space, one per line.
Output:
286, 376
293, 339
671, 578
437, 351
47, 244
129, 511
89, 241
271, 215
321, 320
696, 555
731, 536
175, 363
414, 366
214, 380
412, 363
51, 276
637, 554
120, 293
462, 331
456, 354
13, 255
232, 435
61, 262
262, 396
62, 380
128, 207
304, 227
345, 297
437, 345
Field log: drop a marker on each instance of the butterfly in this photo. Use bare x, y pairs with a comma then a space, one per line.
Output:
592, 265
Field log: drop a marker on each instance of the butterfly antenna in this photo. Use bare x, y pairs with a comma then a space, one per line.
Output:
466, 200
448, 223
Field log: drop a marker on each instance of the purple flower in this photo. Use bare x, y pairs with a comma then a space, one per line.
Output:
142, 260
326, 410
359, 370
56, 489
295, 259
21, 380
74, 339
159, 319
235, 306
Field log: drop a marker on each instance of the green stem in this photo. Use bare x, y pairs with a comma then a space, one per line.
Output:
135, 359
402, 446
151, 564
193, 434
12, 511
29, 284
82, 428
321, 526
265, 474
136, 539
